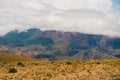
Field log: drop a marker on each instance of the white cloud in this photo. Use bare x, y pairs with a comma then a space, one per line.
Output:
87, 16
98, 5
94, 22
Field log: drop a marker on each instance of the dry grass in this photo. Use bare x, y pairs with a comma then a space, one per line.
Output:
61, 70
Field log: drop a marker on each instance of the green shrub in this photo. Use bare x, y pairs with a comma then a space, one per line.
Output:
49, 75
12, 70
5, 62
20, 64
45, 78
97, 62
68, 62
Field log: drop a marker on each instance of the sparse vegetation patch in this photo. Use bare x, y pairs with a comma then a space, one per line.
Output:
12, 70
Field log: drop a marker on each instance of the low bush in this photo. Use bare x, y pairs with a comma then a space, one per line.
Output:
12, 70
20, 64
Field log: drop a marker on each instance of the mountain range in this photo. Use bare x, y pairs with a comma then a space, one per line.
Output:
58, 45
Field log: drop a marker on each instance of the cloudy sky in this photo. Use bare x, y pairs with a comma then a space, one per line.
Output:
86, 16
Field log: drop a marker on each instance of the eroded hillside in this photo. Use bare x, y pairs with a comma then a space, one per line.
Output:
57, 45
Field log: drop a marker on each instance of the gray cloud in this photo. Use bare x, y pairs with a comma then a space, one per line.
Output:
44, 14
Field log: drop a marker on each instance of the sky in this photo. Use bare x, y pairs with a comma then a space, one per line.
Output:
85, 16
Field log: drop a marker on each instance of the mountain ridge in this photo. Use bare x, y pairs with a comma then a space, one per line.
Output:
54, 45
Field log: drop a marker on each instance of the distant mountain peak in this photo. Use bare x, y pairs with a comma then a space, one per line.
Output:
53, 44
